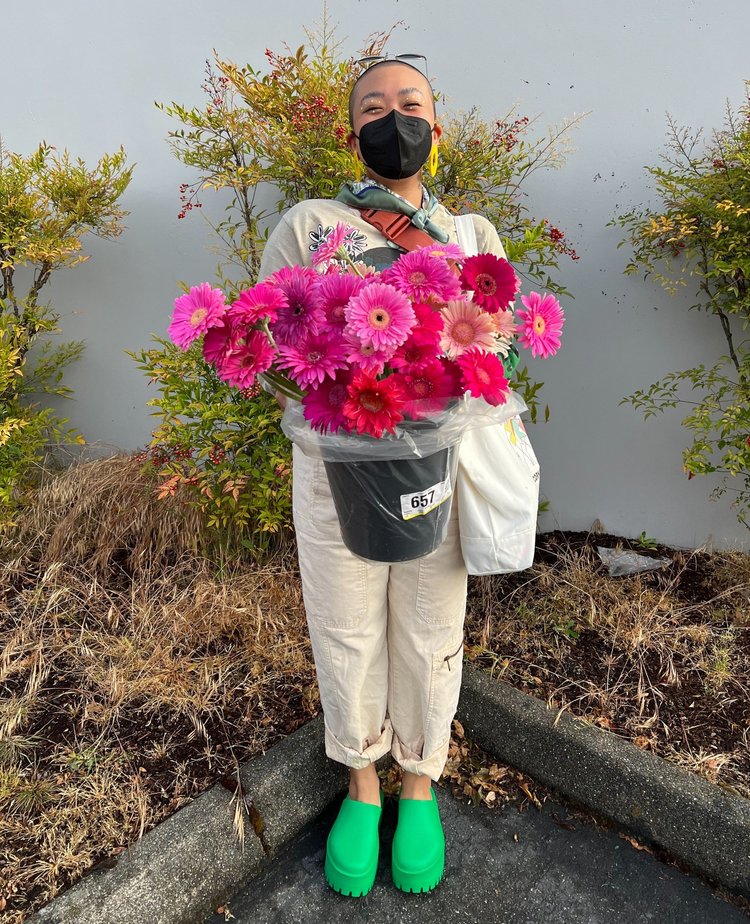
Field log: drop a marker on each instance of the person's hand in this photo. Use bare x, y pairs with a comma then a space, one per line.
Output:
281, 399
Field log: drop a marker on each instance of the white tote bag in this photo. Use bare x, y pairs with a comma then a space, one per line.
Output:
497, 483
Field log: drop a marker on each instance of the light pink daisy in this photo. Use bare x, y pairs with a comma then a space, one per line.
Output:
427, 389
504, 323
248, 357
261, 301
541, 325
380, 315
491, 279
466, 327
331, 247
195, 313
484, 376
302, 314
324, 406
313, 357
422, 277
335, 290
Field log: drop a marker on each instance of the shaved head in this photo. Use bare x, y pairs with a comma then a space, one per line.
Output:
365, 87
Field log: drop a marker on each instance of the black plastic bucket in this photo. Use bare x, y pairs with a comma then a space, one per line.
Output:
394, 509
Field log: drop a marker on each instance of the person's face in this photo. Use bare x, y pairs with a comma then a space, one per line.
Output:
393, 86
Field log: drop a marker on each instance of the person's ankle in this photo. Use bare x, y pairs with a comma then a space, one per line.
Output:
415, 786
365, 787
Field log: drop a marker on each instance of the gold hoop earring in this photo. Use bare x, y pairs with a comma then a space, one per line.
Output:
432, 163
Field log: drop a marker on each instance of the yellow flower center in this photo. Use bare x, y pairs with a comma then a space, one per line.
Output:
379, 318
539, 324
197, 316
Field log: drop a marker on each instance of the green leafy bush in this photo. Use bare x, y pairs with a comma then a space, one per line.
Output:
47, 204
702, 228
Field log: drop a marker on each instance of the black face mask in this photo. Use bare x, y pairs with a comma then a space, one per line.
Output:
395, 146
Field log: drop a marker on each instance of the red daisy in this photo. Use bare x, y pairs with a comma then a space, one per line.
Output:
372, 405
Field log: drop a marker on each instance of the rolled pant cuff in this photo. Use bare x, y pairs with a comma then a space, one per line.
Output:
432, 765
351, 756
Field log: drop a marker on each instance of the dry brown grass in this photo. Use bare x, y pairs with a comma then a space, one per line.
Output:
135, 674
660, 658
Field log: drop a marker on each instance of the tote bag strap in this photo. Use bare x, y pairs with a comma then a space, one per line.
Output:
467, 235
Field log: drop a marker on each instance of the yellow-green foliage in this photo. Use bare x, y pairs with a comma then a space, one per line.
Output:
47, 204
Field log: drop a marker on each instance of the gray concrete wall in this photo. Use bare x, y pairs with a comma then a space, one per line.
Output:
84, 75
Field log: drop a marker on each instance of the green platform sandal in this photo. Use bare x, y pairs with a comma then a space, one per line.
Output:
353, 846
418, 852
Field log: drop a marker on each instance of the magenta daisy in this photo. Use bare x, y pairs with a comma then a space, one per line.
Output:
428, 318
420, 347
542, 324
373, 405
466, 326
426, 388
248, 357
262, 301
446, 251
313, 357
217, 342
302, 313
422, 277
331, 247
195, 313
379, 315
492, 280
324, 406
335, 290
484, 376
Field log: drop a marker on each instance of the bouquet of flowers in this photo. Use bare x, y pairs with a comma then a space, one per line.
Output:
365, 351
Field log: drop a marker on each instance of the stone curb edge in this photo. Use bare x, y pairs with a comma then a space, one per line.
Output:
182, 869
697, 822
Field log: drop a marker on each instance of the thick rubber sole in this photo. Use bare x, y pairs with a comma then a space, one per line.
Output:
353, 818
421, 825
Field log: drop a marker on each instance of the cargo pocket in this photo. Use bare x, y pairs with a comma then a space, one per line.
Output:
445, 687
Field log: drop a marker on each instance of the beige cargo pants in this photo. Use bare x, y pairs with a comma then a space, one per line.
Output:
387, 639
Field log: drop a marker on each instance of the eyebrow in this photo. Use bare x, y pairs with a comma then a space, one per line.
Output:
378, 95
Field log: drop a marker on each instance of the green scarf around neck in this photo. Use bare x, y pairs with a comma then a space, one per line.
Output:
374, 197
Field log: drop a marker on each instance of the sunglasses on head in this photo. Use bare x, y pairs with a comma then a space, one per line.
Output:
369, 60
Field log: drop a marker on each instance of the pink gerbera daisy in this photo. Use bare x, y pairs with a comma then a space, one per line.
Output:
324, 406
262, 301
335, 291
249, 356
504, 323
313, 357
427, 389
492, 280
484, 376
373, 405
422, 277
428, 318
302, 313
331, 247
196, 312
367, 356
380, 315
217, 342
420, 347
466, 326
542, 324
446, 251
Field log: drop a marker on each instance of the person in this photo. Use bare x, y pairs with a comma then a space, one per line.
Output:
387, 639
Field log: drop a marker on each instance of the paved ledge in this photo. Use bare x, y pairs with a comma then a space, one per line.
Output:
698, 822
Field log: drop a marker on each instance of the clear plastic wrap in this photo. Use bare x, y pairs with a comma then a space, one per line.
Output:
393, 495
413, 439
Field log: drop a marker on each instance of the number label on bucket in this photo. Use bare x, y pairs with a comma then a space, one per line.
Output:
421, 502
